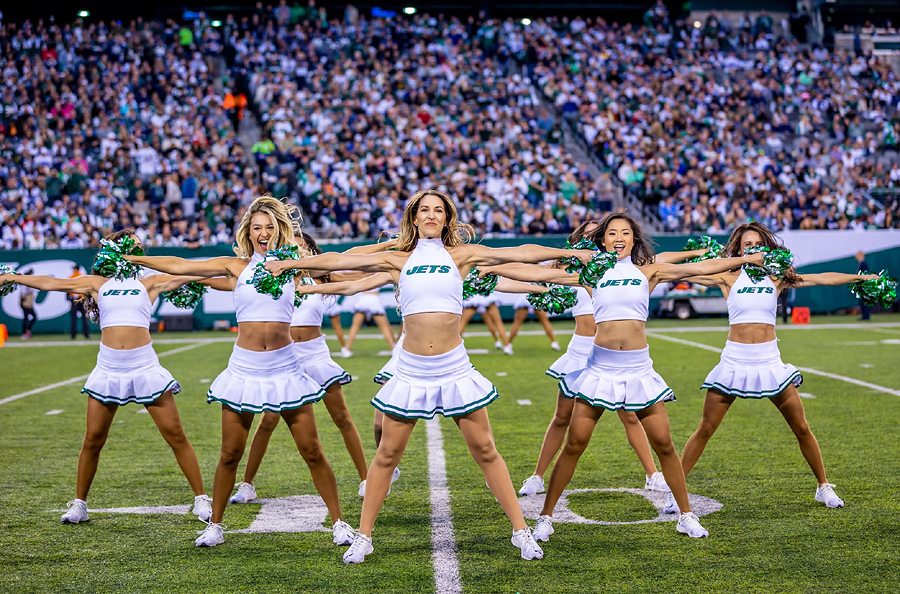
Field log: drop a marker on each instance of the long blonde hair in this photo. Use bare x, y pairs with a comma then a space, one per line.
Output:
454, 233
285, 217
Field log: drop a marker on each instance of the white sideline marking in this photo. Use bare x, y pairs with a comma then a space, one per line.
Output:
205, 380
143, 411
55, 411
524, 402
807, 395
810, 370
443, 543
73, 380
861, 343
781, 327
866, 365
502, 374
891, 341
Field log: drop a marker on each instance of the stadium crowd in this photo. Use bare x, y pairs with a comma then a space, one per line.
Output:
105, 126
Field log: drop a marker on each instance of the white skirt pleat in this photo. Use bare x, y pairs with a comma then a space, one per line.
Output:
132, 375
316, 362
752, 371
574, 358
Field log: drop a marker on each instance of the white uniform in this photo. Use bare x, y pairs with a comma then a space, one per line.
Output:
752, 370
579, 348
257, 381
131, 375
368, 303
445, 384
313, 355
619, 379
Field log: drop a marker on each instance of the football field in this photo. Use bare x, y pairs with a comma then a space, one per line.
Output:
767, 533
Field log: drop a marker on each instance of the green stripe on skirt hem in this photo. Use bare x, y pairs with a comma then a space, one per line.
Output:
266, 406
751, 394
426, 414
128, 399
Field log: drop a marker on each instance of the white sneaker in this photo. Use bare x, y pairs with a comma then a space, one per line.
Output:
341, 533
346, 353
656, 482
395, 475
690, 525
543, 529
246, 493
525, 542
555, 346
498, 344
77, 512
211, 537
671, 506
202, 507
532, 485
362, 546
362, 488
508, 349
824, 494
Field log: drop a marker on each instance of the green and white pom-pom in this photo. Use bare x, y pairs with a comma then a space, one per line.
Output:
263, 280
776, 262
590, 274
878, 291
301, 297
186, 296
9, 286
583, 244
555, 301
475, 284
110, 261
713, 247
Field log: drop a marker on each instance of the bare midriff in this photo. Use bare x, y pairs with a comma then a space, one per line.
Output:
123, 338
305, 333
621, 335
264, 336
751, 333
585, 326
431, 333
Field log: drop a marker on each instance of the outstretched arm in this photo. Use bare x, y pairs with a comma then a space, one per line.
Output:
332, 261
710, 280
348, 287
505, 285
832, 279
219, 283
534, 274
676, 257
80, 284
670, 272
163, 283
479, 255
373, 248
223, 266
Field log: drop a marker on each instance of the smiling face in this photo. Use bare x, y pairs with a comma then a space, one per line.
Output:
262, 232
619, 238
431, 217
749, 239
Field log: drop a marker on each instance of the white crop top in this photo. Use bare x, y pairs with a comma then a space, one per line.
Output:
311, 311
124, 303
622, 294
430, 281
252, 306
584, 306
752, 303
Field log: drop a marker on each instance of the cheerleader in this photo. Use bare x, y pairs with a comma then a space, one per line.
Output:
490, 315
263, 373
368, 305
127, 371
522, 309
751, 366
619, 373
315, 361
434, 374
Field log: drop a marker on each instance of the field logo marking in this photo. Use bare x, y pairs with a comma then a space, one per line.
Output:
443, 542
532, 505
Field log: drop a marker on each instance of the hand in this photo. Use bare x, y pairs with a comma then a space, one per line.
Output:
758, 259
7, 278
278, 267
862, 277
584, 255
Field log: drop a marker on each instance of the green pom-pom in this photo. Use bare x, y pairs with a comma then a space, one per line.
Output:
186, 296
475, 284
713, 247
7, 287
555, 301
878, 291
263, 281
583, 244
110, 262
776, 262
301, 297
593, 271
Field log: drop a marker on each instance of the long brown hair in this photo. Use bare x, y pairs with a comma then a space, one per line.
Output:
314, 250
580, 231
642, 252
88, 304
454, 233
285, 217
733, 248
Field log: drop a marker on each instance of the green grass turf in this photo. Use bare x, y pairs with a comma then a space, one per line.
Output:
770, 536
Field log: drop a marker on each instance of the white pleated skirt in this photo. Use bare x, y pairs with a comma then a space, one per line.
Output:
752, 371
574, 358
424, 386
132, 375
390, 368
522, 303
368, 304
316, 362
617, 380
257, 381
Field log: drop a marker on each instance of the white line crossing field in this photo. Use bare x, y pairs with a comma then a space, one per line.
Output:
809, 370
443, 542
79, 378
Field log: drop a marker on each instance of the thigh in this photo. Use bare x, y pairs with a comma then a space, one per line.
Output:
99, 417
476, 428
302, 423
235, 428
790, 406
584, 419
655, 421
395, 433
715, 406
164, 413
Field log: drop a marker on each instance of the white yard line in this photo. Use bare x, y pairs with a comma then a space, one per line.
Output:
443, 543
84, 377
725, 328
809, 370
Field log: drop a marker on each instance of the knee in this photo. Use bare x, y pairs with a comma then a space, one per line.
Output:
342, 419
575, 445
94, 441
664, 447
230, 456
176, 439
387, 456
705, 430
311, 452
560, 420
484, 453
802, 430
